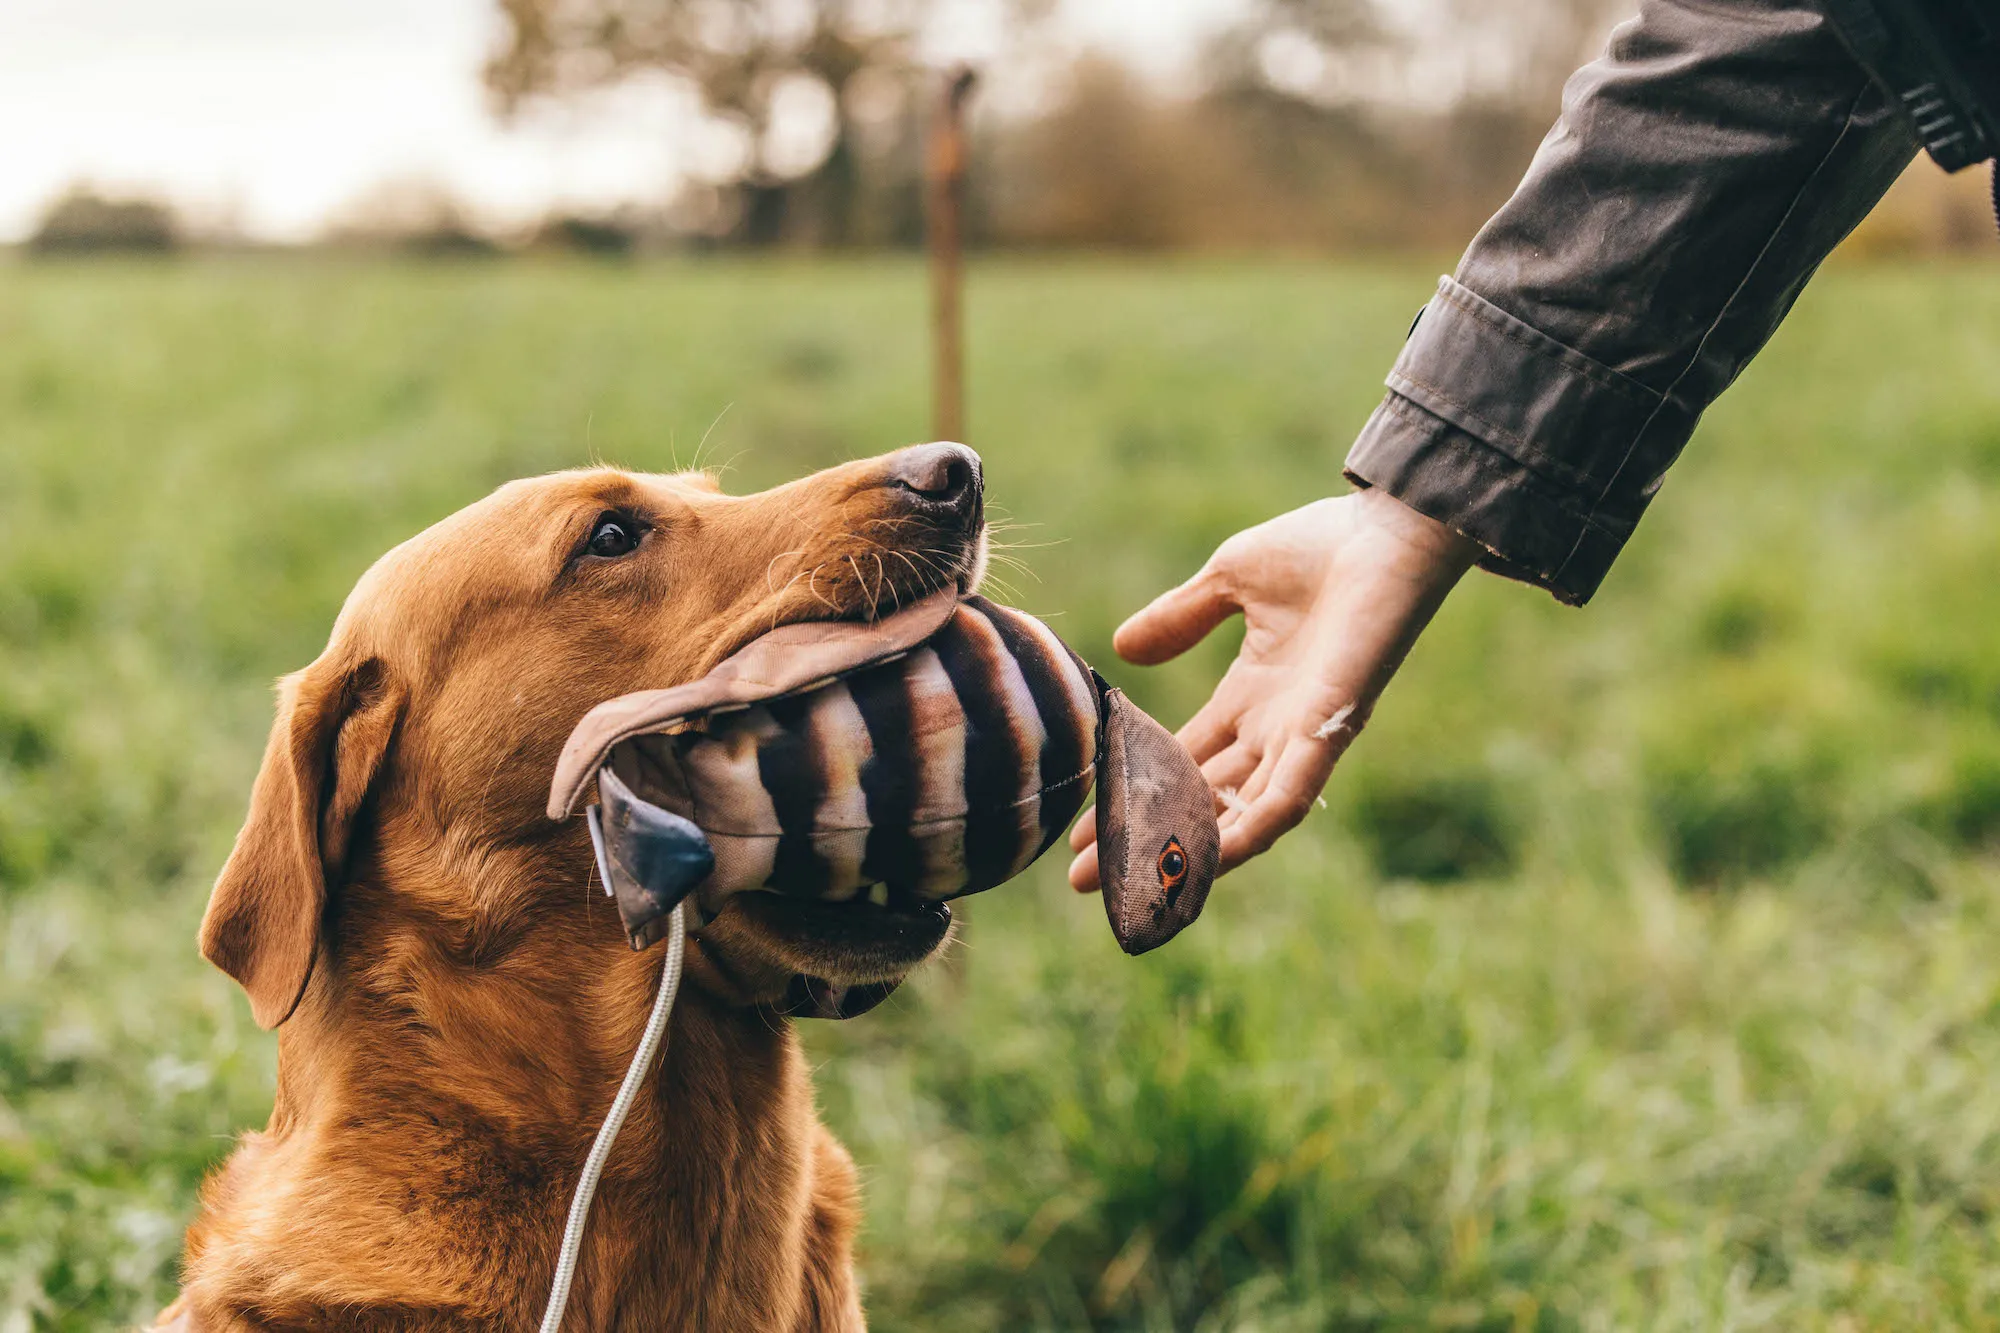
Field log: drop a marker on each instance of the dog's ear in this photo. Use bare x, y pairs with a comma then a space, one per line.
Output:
335, 723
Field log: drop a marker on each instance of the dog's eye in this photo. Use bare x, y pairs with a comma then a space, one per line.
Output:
614, 535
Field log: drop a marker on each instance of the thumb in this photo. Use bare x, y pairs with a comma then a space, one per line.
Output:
1175, 621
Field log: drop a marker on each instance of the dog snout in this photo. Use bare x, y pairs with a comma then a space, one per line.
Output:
942, 481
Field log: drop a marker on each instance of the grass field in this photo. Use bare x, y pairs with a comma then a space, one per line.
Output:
1641, 974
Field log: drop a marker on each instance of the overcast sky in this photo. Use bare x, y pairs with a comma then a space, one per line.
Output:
273, 113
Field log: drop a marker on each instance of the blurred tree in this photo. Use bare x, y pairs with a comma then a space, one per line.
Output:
1322, 123
1446, 53
1108, 163
82, 221
774, 71
1520, 53
600, 236
416, 215
1406, 124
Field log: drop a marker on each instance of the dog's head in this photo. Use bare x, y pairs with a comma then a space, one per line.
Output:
417, 749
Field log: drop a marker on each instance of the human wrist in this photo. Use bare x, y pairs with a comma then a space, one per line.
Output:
1439, 549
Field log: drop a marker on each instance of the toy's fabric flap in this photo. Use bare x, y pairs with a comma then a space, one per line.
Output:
789, 659
1158, 847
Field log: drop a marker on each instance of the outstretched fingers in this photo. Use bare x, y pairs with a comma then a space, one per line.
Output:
1175, 621
1212, 728
1280, 802
1084, 831
1229, 770
1083, 870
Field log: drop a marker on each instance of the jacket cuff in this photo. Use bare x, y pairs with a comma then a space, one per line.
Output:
1517, 441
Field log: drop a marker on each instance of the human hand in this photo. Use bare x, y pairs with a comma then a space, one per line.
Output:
1332, 595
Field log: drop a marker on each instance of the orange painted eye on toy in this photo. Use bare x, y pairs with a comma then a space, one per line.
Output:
1173, 865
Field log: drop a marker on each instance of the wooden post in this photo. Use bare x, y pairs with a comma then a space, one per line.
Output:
945, 198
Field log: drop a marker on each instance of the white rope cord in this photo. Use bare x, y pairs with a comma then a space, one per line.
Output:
614, 1120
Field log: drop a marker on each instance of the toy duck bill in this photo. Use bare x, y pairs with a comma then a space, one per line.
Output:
932, 753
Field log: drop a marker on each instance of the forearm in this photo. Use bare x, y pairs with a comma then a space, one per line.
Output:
1699, 174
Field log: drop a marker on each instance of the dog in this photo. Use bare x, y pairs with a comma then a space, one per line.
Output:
455, 1001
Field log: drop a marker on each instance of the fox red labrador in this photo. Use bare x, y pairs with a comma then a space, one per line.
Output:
454, 998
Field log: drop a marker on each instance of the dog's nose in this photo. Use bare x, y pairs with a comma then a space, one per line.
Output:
941, 473
942, 479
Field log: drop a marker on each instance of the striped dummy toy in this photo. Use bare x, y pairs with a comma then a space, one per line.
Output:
936, 752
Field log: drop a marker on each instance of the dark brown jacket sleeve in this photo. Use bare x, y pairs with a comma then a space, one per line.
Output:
1699, 173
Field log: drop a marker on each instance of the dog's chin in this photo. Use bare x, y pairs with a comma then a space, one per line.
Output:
853, 943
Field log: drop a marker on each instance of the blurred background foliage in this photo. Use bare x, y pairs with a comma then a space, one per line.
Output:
1304, 125
1638, 974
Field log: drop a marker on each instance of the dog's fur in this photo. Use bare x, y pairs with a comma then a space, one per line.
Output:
457, 1000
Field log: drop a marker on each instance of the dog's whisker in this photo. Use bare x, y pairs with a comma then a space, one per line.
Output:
915, 573
882, 580
1009, 559
710, 431
777, 610
782, 555
812, 586
861, 583
881, 586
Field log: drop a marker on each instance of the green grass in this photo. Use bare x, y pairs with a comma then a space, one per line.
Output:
1640, 975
